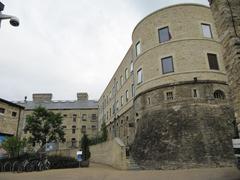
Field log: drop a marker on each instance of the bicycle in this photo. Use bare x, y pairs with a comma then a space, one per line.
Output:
7, 166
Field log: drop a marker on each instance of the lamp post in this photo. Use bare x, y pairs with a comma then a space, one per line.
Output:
14, 21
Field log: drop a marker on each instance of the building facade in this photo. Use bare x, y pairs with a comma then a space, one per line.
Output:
169, 96
11, 115
79, 116
226, 14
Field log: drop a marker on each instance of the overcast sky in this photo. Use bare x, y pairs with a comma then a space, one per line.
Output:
64, 47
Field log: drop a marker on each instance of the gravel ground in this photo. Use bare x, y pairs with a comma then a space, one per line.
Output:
101, 172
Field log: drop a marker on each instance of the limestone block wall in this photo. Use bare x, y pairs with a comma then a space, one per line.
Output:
227, 19
183, 132
112, 153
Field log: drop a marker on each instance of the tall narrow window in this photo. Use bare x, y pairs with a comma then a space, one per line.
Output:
207, 32
126, 73
138, 48
213, 62
167, 65
84, 117
74, 117
121, 80
117, 87
121, 100
131, 67
117, 105
132, 90
84, 129
164, 34
139, 76
195, 93
127, 96
73, 129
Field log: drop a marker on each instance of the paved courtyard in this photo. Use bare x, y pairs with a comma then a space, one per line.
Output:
100, 172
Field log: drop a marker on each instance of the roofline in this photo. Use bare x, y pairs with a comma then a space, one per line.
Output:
90, 108
11, 103
168, 7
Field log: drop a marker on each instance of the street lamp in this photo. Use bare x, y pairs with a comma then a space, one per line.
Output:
14, 21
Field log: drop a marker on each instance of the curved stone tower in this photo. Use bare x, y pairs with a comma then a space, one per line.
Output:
179, 114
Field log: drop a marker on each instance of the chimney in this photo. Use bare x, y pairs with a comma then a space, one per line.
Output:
83, 96
43, 97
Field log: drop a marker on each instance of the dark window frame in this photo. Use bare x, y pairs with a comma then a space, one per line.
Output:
213, 65
169, 34
163, 67
136, 50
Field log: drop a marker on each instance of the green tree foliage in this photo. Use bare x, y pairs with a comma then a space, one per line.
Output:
104, 131
85, 142
45, 127
13, 146
103, 136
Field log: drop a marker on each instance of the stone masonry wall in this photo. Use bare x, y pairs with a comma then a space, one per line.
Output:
184, 132
227, 19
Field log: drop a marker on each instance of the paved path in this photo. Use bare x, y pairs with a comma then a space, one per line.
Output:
100, 172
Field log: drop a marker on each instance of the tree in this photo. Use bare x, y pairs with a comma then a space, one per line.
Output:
104, 131
44, 126
13, 145
85, 148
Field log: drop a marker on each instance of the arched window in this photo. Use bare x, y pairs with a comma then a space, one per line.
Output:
218, 94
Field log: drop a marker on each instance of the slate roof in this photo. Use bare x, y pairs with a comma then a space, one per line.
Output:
60, 105
12, 104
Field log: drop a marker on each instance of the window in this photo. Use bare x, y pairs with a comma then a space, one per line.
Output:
212, 61
195, 93
94, 127
74, 142
169, 95
74, 117
84, 117
64, 115
127, 95
138, 48
121, 80
73, 129
139, 76
84, 129
207, 32
94, 117
117, 87
149, 100
132, 90
218, 94
131, 67
117, 105
14, 114
2, 110
164, 34
64, 127
126, 73
121, 100
167, 65
110, 112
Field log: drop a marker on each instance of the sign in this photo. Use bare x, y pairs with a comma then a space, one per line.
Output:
79, 156
236, 143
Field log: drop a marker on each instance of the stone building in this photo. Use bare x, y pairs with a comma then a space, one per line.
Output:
169, 99
11, 115
227, 19
79, 116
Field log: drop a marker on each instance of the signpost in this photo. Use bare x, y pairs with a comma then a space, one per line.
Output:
79, 156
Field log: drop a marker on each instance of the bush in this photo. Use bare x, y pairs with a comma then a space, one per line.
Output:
60, 162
